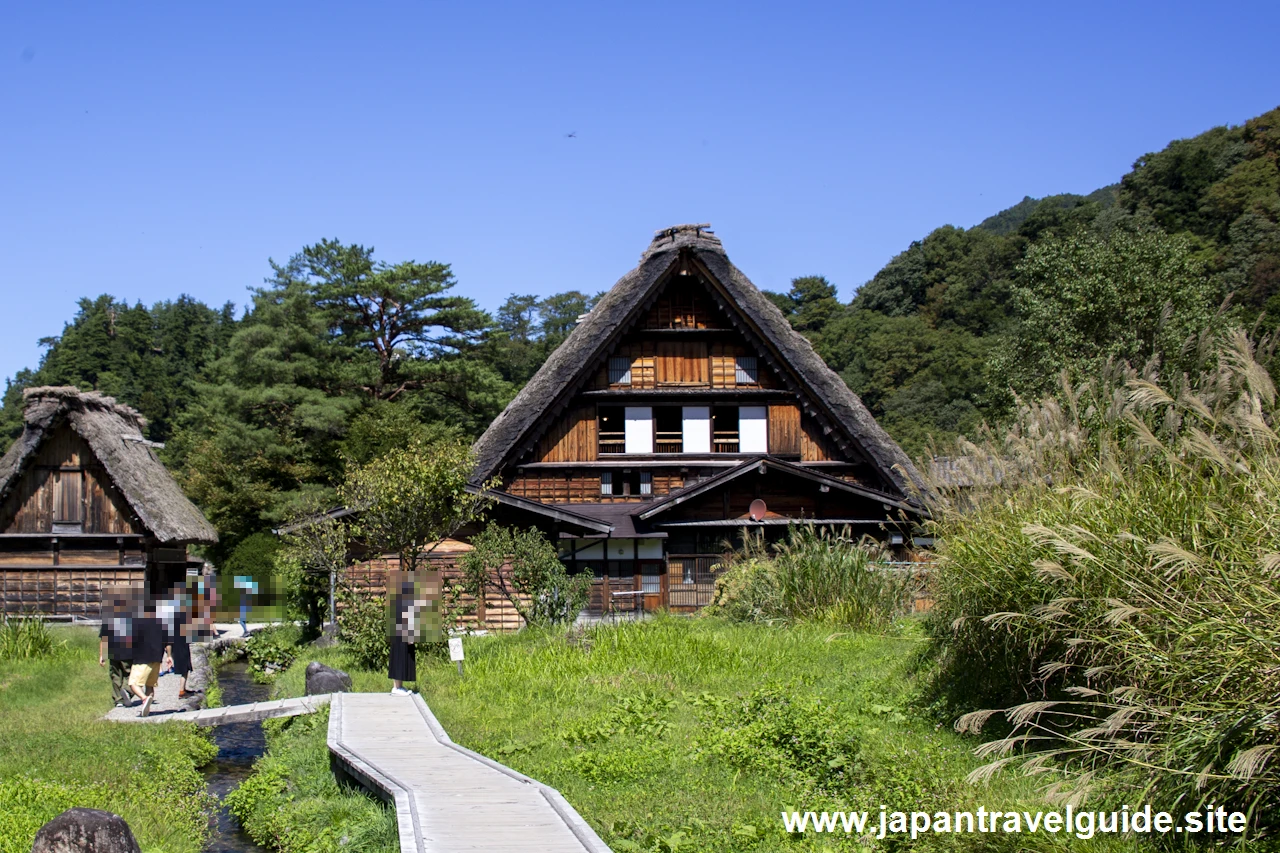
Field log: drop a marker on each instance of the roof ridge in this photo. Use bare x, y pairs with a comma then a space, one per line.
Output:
69, 396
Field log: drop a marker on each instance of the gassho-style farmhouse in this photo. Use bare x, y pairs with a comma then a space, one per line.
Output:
85, 505
682, 410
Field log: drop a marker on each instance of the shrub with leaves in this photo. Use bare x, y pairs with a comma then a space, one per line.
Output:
813, 574
1113, 586
536, 582
22, 638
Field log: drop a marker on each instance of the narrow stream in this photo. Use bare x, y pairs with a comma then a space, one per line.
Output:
238, 745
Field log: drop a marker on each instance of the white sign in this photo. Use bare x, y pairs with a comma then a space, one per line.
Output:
455, 648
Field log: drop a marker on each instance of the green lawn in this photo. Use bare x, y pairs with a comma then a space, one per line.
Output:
695, 734
55, 753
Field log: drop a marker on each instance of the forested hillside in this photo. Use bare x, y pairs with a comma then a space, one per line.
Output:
942, 337
341, 354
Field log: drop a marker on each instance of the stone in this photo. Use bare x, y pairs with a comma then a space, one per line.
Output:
326, 679
85, 831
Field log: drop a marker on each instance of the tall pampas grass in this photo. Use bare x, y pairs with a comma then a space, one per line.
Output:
1107, 600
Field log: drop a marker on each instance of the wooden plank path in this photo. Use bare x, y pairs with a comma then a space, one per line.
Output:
229, 714
447, 798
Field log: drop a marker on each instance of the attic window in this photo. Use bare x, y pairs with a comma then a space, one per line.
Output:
619, 371
606, 482
746, 372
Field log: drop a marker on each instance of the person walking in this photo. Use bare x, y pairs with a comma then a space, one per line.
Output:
115, 644
149, 651
174, 615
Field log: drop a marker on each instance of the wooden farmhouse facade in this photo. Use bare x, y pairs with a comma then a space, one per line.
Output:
86, 504
682, 410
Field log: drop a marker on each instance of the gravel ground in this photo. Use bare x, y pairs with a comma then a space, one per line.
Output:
167, 701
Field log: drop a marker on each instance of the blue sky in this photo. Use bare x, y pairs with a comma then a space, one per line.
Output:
155, 149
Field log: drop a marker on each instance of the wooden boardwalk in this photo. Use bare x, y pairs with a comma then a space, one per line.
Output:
447, 798
251, 713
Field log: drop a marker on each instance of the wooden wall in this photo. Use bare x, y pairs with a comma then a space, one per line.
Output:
62, 590
572, 438
682, 364
814, 445
31, 505
551, 486
784, 496
784, 429
495, 613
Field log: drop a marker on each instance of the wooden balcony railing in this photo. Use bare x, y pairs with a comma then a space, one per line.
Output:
725, 442
613, 442
669, 442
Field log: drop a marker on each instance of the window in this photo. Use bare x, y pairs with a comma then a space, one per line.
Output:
666, 422
724, 429
753, 429
619, 371
746, 372
606, 482
696, 429
612, 430
69, 498
646, 483
650, 577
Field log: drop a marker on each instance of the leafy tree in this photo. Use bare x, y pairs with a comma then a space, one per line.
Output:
1085, 300
536, 582
412, 498
263, 434
314, 550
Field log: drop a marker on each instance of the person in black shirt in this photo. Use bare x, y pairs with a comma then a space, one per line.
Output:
149, 650
115, 643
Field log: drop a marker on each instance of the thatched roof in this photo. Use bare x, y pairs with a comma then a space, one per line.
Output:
823, 393
114, 434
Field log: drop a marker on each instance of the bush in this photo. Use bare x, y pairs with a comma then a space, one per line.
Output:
536, 584
1115, 583
271, 650
814, 574
28, 804
293, 804
27, 637
364, 628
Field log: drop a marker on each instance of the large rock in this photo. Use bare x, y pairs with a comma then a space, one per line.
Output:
85, 831
326, 679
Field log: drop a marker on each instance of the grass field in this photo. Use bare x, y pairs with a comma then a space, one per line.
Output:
695, 734
56, 753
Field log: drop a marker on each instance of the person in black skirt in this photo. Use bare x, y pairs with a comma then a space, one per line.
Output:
402, 666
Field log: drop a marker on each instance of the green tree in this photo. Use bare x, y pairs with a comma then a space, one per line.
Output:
397, 316
412, 498
1087, 299
526, 570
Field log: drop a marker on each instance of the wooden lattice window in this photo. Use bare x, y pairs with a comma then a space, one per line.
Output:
746, 372
619, 371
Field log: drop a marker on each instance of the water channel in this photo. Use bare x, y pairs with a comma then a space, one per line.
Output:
239, 745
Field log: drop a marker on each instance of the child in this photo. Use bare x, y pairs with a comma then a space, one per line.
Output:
149, 650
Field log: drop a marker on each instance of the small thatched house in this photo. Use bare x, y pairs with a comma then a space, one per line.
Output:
85, 504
